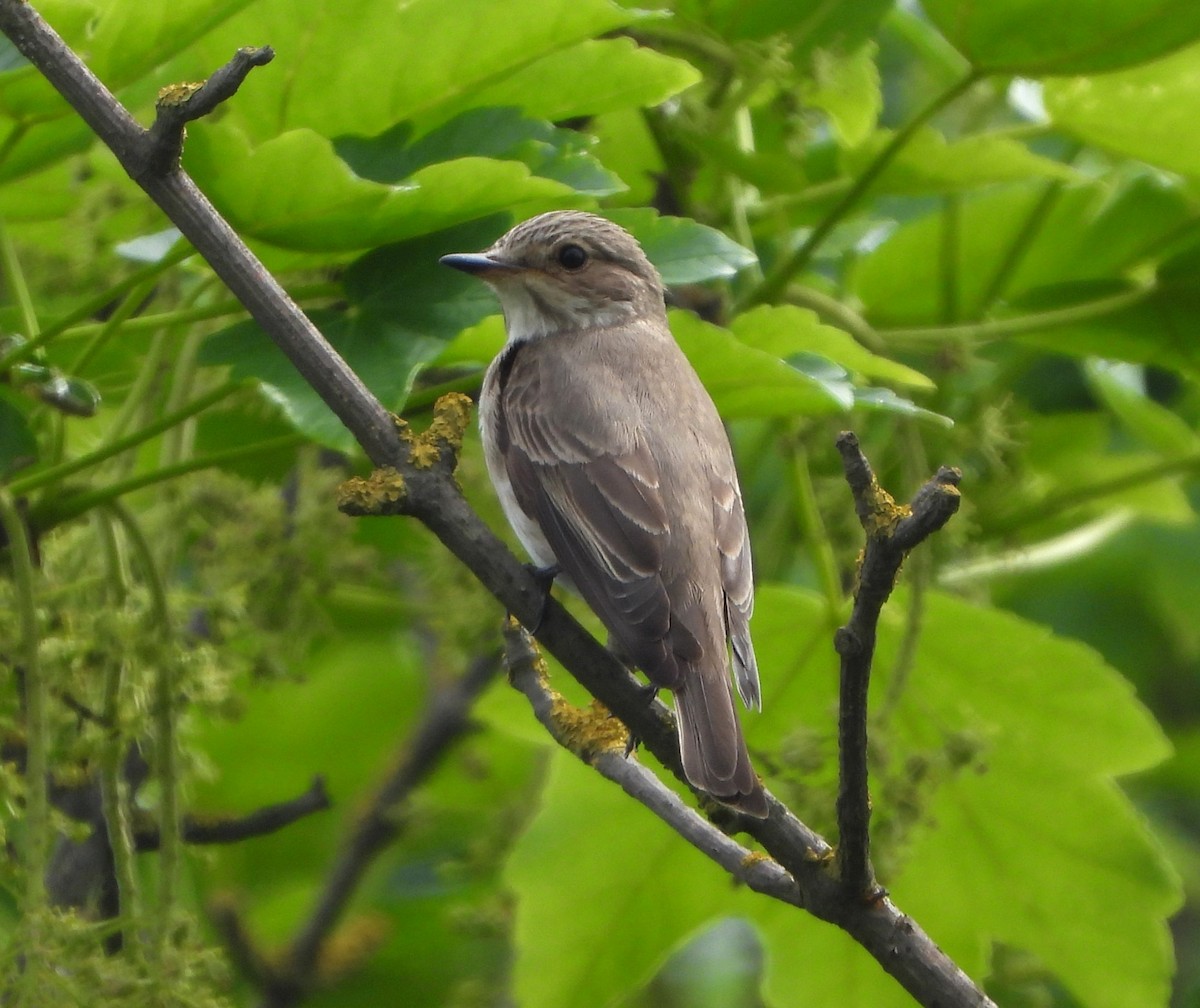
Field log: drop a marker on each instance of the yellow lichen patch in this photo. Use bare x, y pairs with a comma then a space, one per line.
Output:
178, 94
352, 944
756, 857
588, 731
523, 649
451, 415
379, 493
883, 511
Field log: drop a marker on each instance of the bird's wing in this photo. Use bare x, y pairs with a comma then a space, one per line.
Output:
597, 499
737, 580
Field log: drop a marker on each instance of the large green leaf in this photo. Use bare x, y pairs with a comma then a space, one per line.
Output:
605, 891
1040, 37
120, 40
928, 164
1031, 235
746, 382
1018, 735
361, 66
1147, 112
504, 133
1003, 750
786, 330
683, 250
604, 74
327, 207
387, 337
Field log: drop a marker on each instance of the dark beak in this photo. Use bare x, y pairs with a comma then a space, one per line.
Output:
476, 263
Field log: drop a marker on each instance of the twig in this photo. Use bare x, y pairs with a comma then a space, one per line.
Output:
892, 530
605, 751
179, 104
426, 488
446, 720
222, 830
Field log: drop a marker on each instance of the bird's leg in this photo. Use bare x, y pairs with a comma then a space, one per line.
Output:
544, 576
650, 692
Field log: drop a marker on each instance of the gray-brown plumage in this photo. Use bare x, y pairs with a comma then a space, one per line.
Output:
611, 462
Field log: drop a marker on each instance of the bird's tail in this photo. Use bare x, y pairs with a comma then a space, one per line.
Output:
711, 744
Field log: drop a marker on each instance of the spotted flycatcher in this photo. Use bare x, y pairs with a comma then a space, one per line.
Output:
613, 467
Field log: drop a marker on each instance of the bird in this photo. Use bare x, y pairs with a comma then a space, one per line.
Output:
616, 473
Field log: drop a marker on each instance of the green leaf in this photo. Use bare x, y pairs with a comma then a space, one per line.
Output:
848, 90
928, 164
605, 892
1035, 234
1147, 112
422, 60
1018, 736
810, 24
883, 400
605, 75
1040, 37
1122, 388
328, 207
785, 330
683, 250
501, 133
745, 382
18, 446
387, 337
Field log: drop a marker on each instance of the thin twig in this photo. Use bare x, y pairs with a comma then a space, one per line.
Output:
445, 721
202, 830
891, 531
606, 753
180, 104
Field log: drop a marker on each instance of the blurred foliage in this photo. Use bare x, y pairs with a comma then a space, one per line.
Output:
970, 232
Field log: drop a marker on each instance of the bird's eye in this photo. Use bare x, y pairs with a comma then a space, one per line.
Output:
572, 257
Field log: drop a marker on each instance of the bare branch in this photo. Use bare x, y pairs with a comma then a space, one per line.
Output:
445, 721
224, 829
598, 739
891, 531
179, 104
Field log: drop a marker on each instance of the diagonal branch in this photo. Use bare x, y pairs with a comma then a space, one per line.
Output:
605, 751
424, 486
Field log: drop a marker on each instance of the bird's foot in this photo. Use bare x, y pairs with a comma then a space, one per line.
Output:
650, 692
544, 576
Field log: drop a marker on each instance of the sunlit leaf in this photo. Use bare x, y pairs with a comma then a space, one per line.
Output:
683, 250
1040, 37
1145, 112
328, 207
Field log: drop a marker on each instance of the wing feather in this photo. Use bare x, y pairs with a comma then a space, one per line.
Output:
603, 515
737, 580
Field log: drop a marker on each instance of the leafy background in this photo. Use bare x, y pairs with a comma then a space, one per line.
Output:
968, 231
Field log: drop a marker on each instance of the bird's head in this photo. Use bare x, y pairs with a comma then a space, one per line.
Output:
566, 271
